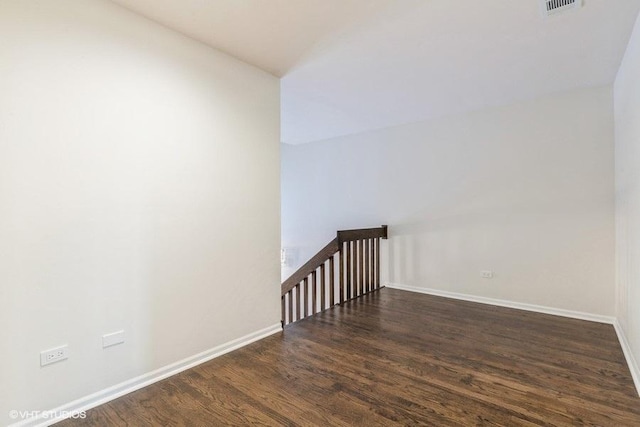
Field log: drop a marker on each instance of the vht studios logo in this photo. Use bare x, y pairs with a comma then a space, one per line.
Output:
15, 414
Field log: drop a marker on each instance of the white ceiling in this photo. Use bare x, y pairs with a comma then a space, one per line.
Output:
349, 66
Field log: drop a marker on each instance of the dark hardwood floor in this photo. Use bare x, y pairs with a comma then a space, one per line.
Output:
400, 358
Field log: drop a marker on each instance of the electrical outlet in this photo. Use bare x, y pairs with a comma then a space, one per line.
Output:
54, 355
486, 274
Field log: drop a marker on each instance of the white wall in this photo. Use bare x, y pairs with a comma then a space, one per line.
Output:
139, 190
627, 169
524, 190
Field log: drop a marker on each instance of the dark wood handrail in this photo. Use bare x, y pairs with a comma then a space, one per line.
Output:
358, 255
363, 233
310, 266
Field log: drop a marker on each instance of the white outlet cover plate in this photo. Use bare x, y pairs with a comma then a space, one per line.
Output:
112, 339
47, 357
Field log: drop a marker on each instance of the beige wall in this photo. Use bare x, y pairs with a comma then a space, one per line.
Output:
627, 148
139, 190
525, 191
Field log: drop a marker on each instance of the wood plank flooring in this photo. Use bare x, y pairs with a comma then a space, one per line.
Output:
400, 358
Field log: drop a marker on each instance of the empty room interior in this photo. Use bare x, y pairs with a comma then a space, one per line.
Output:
319, 212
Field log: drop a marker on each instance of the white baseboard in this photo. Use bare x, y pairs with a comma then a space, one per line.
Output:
509, 304
628, 354
118, 390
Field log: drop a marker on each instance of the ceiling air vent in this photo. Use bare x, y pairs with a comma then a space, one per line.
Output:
551, 7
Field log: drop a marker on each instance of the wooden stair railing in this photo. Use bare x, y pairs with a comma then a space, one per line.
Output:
318, 285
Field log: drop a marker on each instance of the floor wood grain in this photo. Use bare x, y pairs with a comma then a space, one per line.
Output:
400, 358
